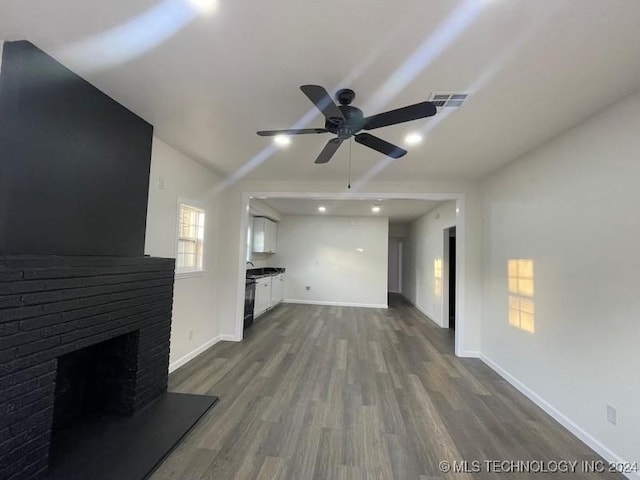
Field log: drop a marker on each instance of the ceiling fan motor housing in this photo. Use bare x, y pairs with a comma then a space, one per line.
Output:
345, 96
352, 123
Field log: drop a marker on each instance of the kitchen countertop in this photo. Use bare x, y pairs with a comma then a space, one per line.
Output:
253, 273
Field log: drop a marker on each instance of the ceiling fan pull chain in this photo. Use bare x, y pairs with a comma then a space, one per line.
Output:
350, 143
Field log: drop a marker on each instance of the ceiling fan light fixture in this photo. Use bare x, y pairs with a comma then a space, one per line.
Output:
282, 140
413, 139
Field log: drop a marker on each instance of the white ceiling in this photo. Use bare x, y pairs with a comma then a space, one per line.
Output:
397, 210
209, 82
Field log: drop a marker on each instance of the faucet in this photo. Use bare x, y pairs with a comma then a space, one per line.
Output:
251, 263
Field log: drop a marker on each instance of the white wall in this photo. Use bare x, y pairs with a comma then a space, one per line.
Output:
423, 246
195, 297
572, 207
320, 252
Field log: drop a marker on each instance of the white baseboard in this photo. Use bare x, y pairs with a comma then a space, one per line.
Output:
470, 354
337, 304
193, 354
562, 419
425, 312
229, 338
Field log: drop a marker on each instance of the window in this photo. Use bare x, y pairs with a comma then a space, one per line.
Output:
189, 257
521, 290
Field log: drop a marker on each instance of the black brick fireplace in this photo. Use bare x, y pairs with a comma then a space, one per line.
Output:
53, 308
85, 316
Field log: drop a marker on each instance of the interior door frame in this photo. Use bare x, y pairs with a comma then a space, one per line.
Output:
446, 256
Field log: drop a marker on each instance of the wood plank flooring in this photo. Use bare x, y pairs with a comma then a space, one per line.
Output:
317, 392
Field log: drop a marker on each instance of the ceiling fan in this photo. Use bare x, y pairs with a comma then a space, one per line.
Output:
346, 121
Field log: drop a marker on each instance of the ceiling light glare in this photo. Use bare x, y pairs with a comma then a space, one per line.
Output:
376, 209
322, 209
413, 139
361, 250
281, 140
204, 6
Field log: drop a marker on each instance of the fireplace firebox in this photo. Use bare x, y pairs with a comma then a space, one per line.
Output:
96, 380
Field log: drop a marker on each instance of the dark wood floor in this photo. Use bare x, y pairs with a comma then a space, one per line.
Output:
317, 392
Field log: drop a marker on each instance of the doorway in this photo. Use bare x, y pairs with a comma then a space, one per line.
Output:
236, 312
450, 274
394, 275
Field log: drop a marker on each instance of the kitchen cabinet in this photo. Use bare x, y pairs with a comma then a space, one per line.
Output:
263, 295
265, 233
277, 289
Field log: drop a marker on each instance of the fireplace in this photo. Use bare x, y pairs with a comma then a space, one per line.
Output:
79, 336
85, 316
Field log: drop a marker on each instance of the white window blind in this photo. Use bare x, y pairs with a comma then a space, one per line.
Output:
190, 254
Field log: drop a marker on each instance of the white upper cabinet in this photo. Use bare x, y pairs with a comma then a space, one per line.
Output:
265, 234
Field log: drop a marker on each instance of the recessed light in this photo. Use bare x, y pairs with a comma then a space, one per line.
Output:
376, 209
413, 139
204, 6
282, 140
361, 250
322, 209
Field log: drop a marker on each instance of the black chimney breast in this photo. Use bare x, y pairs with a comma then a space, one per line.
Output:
74, 163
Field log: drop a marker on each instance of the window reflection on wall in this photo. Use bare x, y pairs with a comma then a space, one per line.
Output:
521, 293
437, 276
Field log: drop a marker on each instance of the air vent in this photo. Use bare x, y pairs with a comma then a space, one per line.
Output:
448, 100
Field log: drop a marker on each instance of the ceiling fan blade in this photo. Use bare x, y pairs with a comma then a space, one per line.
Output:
300, 131
328, 150
400, 115
321, 99
380, 145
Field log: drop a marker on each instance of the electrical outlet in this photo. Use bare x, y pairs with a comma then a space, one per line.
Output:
307, 288
612, 415
190, 334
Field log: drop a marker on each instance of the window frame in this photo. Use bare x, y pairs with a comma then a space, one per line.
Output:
196, 271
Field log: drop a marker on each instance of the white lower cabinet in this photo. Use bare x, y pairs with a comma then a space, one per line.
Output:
269, 293
277, 289
263, 295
